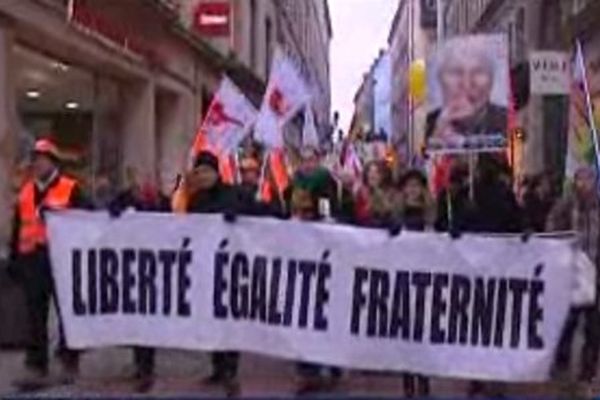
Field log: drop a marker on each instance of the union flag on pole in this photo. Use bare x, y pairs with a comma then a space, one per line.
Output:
286, 94
229, 118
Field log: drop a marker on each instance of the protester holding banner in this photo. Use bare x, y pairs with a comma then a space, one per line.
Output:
323, 186
375, 201
144, 197
48, 189
417, 213
455, 209
495, 201
579, 210
417, 208
208, 194
304, 206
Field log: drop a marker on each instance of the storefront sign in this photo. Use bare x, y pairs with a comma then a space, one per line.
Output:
550, 72
212, 18
109, 32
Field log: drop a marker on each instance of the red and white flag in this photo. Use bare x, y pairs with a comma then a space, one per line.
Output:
286, 94
229, 118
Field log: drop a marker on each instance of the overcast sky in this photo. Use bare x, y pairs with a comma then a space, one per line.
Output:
360, 30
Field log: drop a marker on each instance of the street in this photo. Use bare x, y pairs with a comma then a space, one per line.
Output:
104, 373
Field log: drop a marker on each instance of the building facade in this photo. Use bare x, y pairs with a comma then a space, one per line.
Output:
123, 85
304, 31
412, 37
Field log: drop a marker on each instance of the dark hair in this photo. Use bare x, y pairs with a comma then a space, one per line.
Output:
384, 170
413, 174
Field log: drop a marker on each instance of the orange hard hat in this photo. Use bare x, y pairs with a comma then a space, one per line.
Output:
46, 146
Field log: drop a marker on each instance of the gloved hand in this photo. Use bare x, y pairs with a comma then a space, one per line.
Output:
395, 229
455, 233
526, 235
230, 217
115, 210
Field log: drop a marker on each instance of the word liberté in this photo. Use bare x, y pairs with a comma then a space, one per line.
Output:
414, 306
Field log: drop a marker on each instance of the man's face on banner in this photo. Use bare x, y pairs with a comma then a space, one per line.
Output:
467, 77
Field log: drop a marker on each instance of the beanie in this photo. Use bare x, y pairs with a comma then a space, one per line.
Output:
208, 159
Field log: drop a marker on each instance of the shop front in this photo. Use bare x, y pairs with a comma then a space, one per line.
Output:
108, 80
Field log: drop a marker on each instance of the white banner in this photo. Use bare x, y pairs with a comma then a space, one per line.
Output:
550, 72
476, 307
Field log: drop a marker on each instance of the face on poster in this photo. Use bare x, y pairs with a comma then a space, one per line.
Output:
467, 93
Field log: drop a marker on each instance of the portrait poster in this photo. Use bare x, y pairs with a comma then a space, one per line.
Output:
468, 89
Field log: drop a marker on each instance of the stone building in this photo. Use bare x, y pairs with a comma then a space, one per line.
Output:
123, 84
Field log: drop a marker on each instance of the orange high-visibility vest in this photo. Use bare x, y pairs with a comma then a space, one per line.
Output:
32, 232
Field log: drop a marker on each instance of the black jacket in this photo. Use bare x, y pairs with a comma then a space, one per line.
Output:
463, 216
497, 209
226, 199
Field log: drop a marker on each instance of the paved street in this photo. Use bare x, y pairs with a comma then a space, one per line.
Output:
104, 372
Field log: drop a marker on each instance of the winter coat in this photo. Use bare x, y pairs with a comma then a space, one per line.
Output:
497, 209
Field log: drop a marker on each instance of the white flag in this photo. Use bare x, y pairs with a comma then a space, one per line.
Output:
229, 117
286, 94
310, 137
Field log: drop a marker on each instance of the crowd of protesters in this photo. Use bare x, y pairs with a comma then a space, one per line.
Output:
481, 199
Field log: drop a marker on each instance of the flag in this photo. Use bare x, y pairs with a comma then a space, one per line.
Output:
582, 141
286, 94
229, 118
276, 178
310, 137
350, 161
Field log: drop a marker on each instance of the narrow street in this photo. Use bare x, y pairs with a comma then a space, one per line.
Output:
180, 373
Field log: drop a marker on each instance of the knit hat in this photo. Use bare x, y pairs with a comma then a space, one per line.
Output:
314, 182
208, 159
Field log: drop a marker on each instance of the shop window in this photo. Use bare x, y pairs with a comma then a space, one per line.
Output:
74, 106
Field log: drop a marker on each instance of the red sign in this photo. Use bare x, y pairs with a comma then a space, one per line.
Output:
213, 18
109, 31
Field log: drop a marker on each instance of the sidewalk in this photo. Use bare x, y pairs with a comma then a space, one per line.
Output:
106, 371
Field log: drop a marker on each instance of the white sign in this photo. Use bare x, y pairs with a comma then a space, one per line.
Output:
477, 307
550, 73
